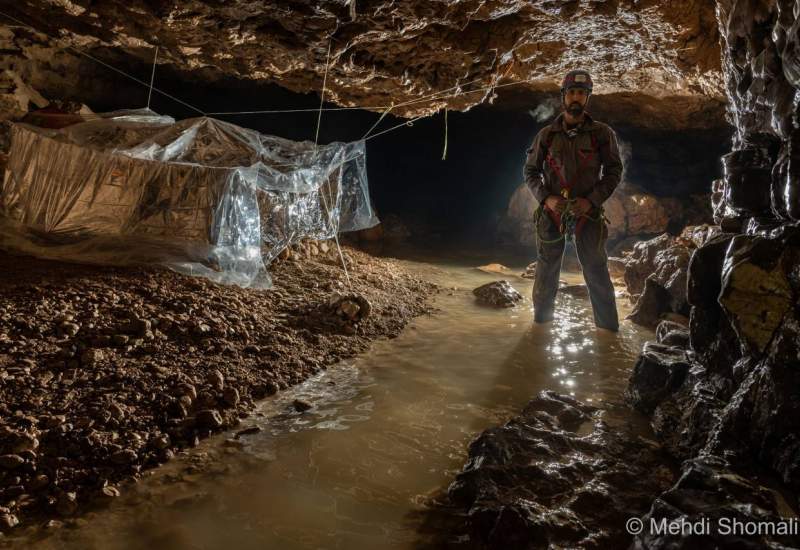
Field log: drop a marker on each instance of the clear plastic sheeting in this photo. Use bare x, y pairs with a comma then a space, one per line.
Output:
201, 196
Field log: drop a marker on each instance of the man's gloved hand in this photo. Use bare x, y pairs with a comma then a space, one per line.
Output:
555, 203
581, 206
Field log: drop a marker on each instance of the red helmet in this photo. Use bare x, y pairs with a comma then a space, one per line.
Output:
577, 79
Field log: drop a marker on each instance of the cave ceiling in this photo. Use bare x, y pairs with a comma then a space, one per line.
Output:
652, 60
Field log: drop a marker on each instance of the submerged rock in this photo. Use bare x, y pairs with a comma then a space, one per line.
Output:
497, 294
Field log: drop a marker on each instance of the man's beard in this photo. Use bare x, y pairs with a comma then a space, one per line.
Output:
575, 109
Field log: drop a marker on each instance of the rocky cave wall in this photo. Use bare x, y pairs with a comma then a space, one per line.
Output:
386, 52
723, 395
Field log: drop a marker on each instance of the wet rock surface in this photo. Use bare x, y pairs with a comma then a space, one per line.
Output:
656, 274
555, 476
735, 416
497, 294
713, 506
106, 372
384, 53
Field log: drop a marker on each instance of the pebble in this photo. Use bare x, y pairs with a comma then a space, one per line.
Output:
120, 339
161, 441
24, 442
8, 521
67, 504
187, 389
124, 456
92, 356
108, 493
39, 482
215, 380
209, 418
10, 462
54, 421
117, 411
248, 431
69, 329
301, 406
231, 396
140, 326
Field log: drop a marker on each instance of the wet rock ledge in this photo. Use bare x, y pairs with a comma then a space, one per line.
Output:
555, 476
105, 372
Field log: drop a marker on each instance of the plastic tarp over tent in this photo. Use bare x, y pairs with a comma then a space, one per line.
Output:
201, 196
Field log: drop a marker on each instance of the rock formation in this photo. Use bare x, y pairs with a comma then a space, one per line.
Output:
388, 52
732, 392
556, 476
656, 272
497, 294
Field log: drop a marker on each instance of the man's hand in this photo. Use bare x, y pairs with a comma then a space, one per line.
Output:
554, 203
581, 206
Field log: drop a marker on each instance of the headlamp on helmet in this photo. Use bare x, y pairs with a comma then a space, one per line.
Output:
577, 79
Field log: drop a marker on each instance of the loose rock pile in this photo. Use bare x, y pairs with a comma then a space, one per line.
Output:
106, 372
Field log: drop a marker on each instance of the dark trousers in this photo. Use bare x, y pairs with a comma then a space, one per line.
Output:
590, 243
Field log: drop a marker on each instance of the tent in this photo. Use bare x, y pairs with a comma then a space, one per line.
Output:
201, 196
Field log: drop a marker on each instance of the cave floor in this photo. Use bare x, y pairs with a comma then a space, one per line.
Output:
108, 372
385, 433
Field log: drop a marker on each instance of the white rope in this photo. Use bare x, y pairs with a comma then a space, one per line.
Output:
123, 73
324, 85
152, 78
429, 97
406, 123
329, 202
386, 112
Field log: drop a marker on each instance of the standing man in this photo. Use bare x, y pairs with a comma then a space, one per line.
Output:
572, 168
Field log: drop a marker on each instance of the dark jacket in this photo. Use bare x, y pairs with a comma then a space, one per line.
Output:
589, 163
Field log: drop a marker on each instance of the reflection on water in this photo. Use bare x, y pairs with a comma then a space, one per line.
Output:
386, 431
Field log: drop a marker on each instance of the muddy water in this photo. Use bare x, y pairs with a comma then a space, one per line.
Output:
386, 431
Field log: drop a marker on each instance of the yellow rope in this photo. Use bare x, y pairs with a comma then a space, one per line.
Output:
444, 152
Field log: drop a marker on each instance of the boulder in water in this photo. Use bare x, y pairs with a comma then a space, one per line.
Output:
497, 294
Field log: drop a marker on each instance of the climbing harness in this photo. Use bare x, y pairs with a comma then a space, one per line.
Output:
569, 223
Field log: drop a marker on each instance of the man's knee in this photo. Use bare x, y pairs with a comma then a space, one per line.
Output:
549, 254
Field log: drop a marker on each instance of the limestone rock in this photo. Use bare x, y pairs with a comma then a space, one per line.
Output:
497, 294
387, 52
710, 493
755, 289
518, 491
645, 214
659, 371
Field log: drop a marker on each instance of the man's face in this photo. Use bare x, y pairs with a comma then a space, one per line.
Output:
575, 100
